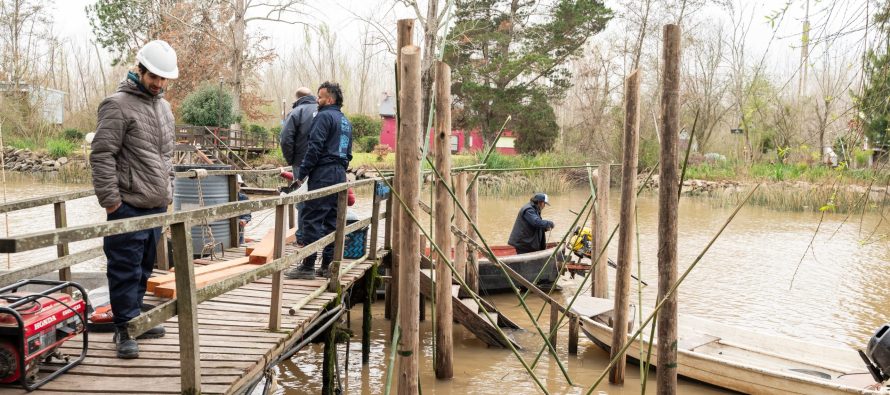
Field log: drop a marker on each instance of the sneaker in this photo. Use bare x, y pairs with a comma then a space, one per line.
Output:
300, 273
126, 345
153, 333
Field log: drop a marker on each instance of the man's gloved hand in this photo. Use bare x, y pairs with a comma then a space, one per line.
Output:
292, 187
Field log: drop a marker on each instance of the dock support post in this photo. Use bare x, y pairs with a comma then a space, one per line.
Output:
409, 239
573, 334
329, 369
668, 204
234, 229
472, 258
444, 316
460, 222
600, 287
61, 217
628, 225
404, 38
277, 280
554, 323
389, 258
186, 310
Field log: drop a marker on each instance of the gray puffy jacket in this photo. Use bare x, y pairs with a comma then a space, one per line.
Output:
132, 149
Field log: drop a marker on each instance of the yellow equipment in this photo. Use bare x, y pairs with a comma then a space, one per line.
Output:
581, 242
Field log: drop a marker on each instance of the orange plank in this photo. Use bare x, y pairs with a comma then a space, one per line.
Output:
155, 281
168, 290
262, 251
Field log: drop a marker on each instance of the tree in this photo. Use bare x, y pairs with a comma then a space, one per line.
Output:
539, 122
874, 108
124, 26
208, 106
509, 57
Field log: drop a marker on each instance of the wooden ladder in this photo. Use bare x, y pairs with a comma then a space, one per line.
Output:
471, 315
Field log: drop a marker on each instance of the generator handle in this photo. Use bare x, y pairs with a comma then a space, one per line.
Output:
56, 286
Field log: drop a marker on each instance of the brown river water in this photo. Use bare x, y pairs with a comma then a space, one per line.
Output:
839, 295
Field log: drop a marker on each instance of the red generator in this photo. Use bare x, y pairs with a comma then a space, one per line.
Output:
32, 327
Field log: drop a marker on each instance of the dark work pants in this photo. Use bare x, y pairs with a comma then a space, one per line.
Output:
131, 258
300, 226
320, 215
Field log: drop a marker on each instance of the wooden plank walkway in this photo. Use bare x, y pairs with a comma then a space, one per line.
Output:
236, 343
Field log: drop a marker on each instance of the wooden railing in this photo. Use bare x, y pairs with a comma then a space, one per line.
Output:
236, 139
187, 295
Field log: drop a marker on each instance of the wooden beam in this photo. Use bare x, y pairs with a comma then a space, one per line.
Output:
13, 276
628, 225
600, 285
409, 239
668, 205
339, 239
573, 335
444, 363
187, 305
277, 286
61, 219
554, 324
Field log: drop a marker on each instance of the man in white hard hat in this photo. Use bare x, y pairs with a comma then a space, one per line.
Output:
131, 164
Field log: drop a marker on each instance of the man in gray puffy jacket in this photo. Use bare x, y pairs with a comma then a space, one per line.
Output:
295, 140
131, 161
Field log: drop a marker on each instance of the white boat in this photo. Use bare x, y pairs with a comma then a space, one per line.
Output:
742, 360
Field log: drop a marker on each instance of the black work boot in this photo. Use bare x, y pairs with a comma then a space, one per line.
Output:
300, 273
153, 333
126, 345
323, 272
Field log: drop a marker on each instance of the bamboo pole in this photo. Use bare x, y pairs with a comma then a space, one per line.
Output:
600, 225
460, 246
668, 190
626, 231
409, 239
404, 38
472, 269
443, 209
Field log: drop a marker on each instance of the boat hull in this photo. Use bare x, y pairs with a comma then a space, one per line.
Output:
530, 266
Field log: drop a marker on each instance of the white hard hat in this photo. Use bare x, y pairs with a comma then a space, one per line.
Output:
238, 179
159, 58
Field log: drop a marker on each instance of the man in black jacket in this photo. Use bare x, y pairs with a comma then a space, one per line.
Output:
295, 139
327, 157
528, 230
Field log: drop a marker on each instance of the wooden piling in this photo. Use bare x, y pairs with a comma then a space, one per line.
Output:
279, 239
628, 225
389, 259
600, 285
554, 323
472, 258
405, 32
61, 217
443, 210
573, 334
409, 240
186, 309
668, 204
460, 222
234, 229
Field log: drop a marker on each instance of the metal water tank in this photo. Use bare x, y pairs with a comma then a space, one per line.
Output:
187, 195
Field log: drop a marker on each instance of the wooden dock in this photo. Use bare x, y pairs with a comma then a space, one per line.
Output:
236, 343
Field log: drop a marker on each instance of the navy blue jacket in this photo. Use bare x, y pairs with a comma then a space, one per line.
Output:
295, 135
528, 230
246, 217
330, 141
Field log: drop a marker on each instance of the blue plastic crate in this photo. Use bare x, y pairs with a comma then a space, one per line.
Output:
354, 245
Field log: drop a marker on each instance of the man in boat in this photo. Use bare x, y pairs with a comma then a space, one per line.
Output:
131, 166
325, 163
295, 139
528, 230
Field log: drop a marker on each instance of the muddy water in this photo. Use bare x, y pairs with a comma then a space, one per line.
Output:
839, 294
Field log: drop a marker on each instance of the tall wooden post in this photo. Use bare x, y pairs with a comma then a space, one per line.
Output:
443, 210
61, 216
628, 225
404, 38
409, 239
390, 257
277, 280
668, 204
234, 229
472, 258
186, 310
600, 225
372, 256
460, 221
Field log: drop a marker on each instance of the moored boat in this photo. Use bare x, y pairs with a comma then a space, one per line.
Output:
742, 360
531, 266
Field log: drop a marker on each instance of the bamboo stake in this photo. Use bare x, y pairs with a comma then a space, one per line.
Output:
600, 286
409, 243
672, 290
626, 231
668, 190
472, 269
460, 246
443, 210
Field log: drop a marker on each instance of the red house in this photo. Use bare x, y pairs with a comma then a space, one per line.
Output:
504, 145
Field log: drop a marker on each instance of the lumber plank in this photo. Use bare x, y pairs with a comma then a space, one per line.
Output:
168, 290
155, 281
261, 252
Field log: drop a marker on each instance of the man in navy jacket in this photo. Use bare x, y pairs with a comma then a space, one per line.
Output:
528, 230
325, 163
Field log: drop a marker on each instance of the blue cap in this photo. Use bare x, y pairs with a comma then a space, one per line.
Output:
541, 197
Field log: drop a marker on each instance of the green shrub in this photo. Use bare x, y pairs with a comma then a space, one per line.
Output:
363, 125
58, 148
23, 143
367, 143
208, 106
258, 131
275, 131
73, 135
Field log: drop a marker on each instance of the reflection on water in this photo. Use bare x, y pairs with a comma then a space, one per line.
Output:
839, 295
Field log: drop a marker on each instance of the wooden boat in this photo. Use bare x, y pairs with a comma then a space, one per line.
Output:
742, 360
492, 279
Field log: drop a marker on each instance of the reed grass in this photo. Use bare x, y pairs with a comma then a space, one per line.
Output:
806, 197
